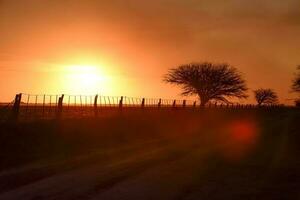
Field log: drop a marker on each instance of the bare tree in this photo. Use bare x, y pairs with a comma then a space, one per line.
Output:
296, 82
265, 97
209, 81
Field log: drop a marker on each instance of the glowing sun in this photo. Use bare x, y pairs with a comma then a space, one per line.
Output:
85, 79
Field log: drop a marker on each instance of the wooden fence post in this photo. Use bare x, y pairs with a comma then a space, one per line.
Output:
184, 103
121, 102
174, 104
80, 98
143, 103
195, 103
44, 99
36, 103
96, 105
60, 106
16, 106
159, 103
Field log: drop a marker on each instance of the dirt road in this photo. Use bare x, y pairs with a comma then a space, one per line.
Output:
153, 170
231, 160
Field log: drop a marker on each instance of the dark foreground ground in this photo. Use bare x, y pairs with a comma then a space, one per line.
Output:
176, 155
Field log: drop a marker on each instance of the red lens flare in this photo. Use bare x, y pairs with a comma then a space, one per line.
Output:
241, 138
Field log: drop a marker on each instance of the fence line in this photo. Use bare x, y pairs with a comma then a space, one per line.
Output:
106, 101
54, 106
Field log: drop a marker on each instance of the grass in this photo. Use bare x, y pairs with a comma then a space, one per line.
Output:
211, 154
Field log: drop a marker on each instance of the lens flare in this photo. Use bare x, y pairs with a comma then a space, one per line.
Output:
241, 138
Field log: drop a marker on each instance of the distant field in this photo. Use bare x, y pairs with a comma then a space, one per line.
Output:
154, 154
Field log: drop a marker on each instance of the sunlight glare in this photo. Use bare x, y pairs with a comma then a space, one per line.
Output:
85, 79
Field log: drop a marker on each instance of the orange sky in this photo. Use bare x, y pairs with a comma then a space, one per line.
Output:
127, 46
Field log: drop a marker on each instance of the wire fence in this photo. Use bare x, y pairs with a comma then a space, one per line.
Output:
29, 106
29, 100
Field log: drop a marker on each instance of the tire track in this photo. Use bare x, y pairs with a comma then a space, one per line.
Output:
83, 181
169, 180
15, 178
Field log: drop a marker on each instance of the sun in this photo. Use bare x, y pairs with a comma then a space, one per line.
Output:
85, 79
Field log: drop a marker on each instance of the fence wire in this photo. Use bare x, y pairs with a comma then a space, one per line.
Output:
51, 106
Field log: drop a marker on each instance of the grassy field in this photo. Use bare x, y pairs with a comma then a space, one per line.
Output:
170, 154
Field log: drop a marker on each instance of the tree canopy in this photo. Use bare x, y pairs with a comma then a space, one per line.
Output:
296, 82
209, 81
265, 97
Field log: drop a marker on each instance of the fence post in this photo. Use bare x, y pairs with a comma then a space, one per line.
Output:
44, 98
60, 106
80, 102
174, 104
195, 103
16, 107
36, 103
159, 103
143, 103
96, 105
184, 103
121, 102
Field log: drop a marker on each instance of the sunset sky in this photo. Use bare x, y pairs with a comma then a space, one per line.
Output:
118, 47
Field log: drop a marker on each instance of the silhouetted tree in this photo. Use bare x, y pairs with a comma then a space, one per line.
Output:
296, 82
265, 97
208, 80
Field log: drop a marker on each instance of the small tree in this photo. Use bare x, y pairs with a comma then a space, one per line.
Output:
296, 82
209, 81
265, 97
